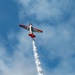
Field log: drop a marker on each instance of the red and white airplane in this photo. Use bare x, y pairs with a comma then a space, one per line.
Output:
31, 30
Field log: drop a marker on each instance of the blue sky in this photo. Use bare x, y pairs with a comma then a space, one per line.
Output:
8, 16
56, 46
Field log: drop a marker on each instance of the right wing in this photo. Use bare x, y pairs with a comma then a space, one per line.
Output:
23, 26
37, 30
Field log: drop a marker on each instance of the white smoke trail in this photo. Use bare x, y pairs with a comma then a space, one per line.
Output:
37, 61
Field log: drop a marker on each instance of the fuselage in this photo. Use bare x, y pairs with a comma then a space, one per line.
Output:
30, 29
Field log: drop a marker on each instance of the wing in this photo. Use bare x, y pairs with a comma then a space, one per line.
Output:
23, 26
37, 30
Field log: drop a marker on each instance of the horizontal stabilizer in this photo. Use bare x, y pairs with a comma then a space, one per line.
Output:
32, 35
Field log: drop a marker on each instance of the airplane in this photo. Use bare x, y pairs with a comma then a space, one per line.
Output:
31, 30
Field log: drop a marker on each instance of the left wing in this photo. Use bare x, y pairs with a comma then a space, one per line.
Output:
23, 26
37, 30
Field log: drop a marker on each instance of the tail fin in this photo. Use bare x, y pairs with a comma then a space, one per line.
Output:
32, 35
